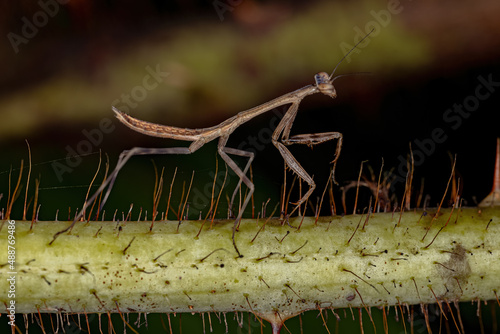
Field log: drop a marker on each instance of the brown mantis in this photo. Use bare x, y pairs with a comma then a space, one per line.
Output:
199, 137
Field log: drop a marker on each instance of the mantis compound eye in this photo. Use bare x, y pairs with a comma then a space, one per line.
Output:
325, 85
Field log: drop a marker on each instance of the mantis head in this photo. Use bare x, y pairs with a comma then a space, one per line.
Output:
325, 84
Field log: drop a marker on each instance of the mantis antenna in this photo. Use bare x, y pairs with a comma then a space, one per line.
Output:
345, 56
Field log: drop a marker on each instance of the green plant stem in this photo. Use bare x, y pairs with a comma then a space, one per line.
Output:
350, 261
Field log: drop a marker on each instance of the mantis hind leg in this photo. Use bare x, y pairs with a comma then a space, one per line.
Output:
109, 182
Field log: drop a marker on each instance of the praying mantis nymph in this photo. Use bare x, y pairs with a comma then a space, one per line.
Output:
281, 138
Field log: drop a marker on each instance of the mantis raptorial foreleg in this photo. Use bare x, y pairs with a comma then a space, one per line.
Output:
283, 131
318, 138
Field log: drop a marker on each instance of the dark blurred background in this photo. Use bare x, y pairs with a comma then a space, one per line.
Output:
64, 65
194, 64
